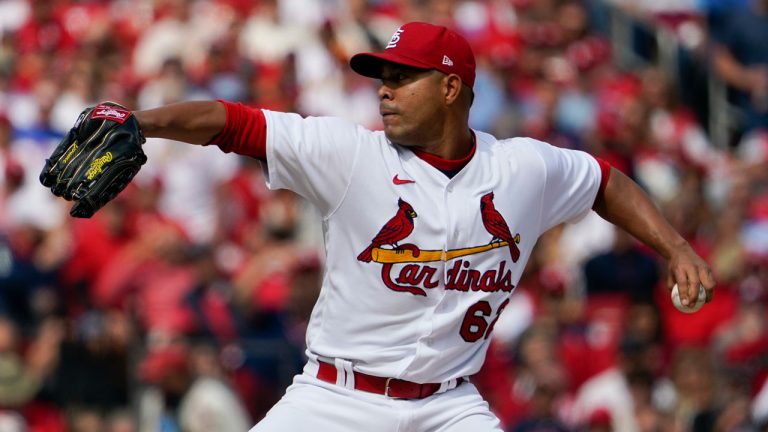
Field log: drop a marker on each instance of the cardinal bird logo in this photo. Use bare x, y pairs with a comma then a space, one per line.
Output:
396, 229
496, 225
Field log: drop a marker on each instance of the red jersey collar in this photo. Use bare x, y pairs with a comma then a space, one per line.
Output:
447, 164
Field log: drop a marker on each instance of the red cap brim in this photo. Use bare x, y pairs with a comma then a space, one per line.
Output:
369, 64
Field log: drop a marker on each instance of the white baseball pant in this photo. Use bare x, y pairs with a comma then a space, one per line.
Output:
313, 405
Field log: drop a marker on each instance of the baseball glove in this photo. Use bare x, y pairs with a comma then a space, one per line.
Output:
97, 159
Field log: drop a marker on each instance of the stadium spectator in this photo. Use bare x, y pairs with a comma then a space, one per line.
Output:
740, 58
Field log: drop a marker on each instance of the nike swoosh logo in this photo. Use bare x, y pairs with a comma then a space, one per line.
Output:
398, 181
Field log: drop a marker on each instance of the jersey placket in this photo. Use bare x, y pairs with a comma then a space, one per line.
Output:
432, 182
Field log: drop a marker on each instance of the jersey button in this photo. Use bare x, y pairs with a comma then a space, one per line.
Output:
450, 188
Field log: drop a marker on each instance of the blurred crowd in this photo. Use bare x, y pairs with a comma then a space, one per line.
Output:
182, 305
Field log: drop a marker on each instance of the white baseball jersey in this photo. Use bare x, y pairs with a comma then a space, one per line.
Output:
419, 266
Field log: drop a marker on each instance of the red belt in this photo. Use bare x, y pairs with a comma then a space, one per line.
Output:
392, 387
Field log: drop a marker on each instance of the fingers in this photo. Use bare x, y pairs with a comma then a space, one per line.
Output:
708, 280
104, 188
47, 178
78, 176
693, 288
686, 284
689, 274
62, 154
82, 209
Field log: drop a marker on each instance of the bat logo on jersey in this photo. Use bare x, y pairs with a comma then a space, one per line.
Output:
396, 229
496, 225
415, 275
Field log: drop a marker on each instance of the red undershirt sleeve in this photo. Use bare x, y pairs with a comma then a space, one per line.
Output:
244, 132
605, 170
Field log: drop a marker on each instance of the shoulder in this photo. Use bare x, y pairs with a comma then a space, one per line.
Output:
531, 155
517, 147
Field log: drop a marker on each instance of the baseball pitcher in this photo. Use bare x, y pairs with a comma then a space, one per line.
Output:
428, 225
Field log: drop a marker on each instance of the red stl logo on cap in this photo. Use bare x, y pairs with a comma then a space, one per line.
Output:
425, 46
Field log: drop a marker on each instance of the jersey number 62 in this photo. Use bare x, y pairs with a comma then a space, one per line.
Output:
475, 324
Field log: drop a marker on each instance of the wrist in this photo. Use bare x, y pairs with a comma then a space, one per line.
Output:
146, 125
675, 246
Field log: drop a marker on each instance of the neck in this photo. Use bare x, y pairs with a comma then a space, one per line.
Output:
452, 145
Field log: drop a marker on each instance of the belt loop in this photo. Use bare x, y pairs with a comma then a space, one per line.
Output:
448, 385
341, 376
452, 383
312, 367
345, 376
350, 373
